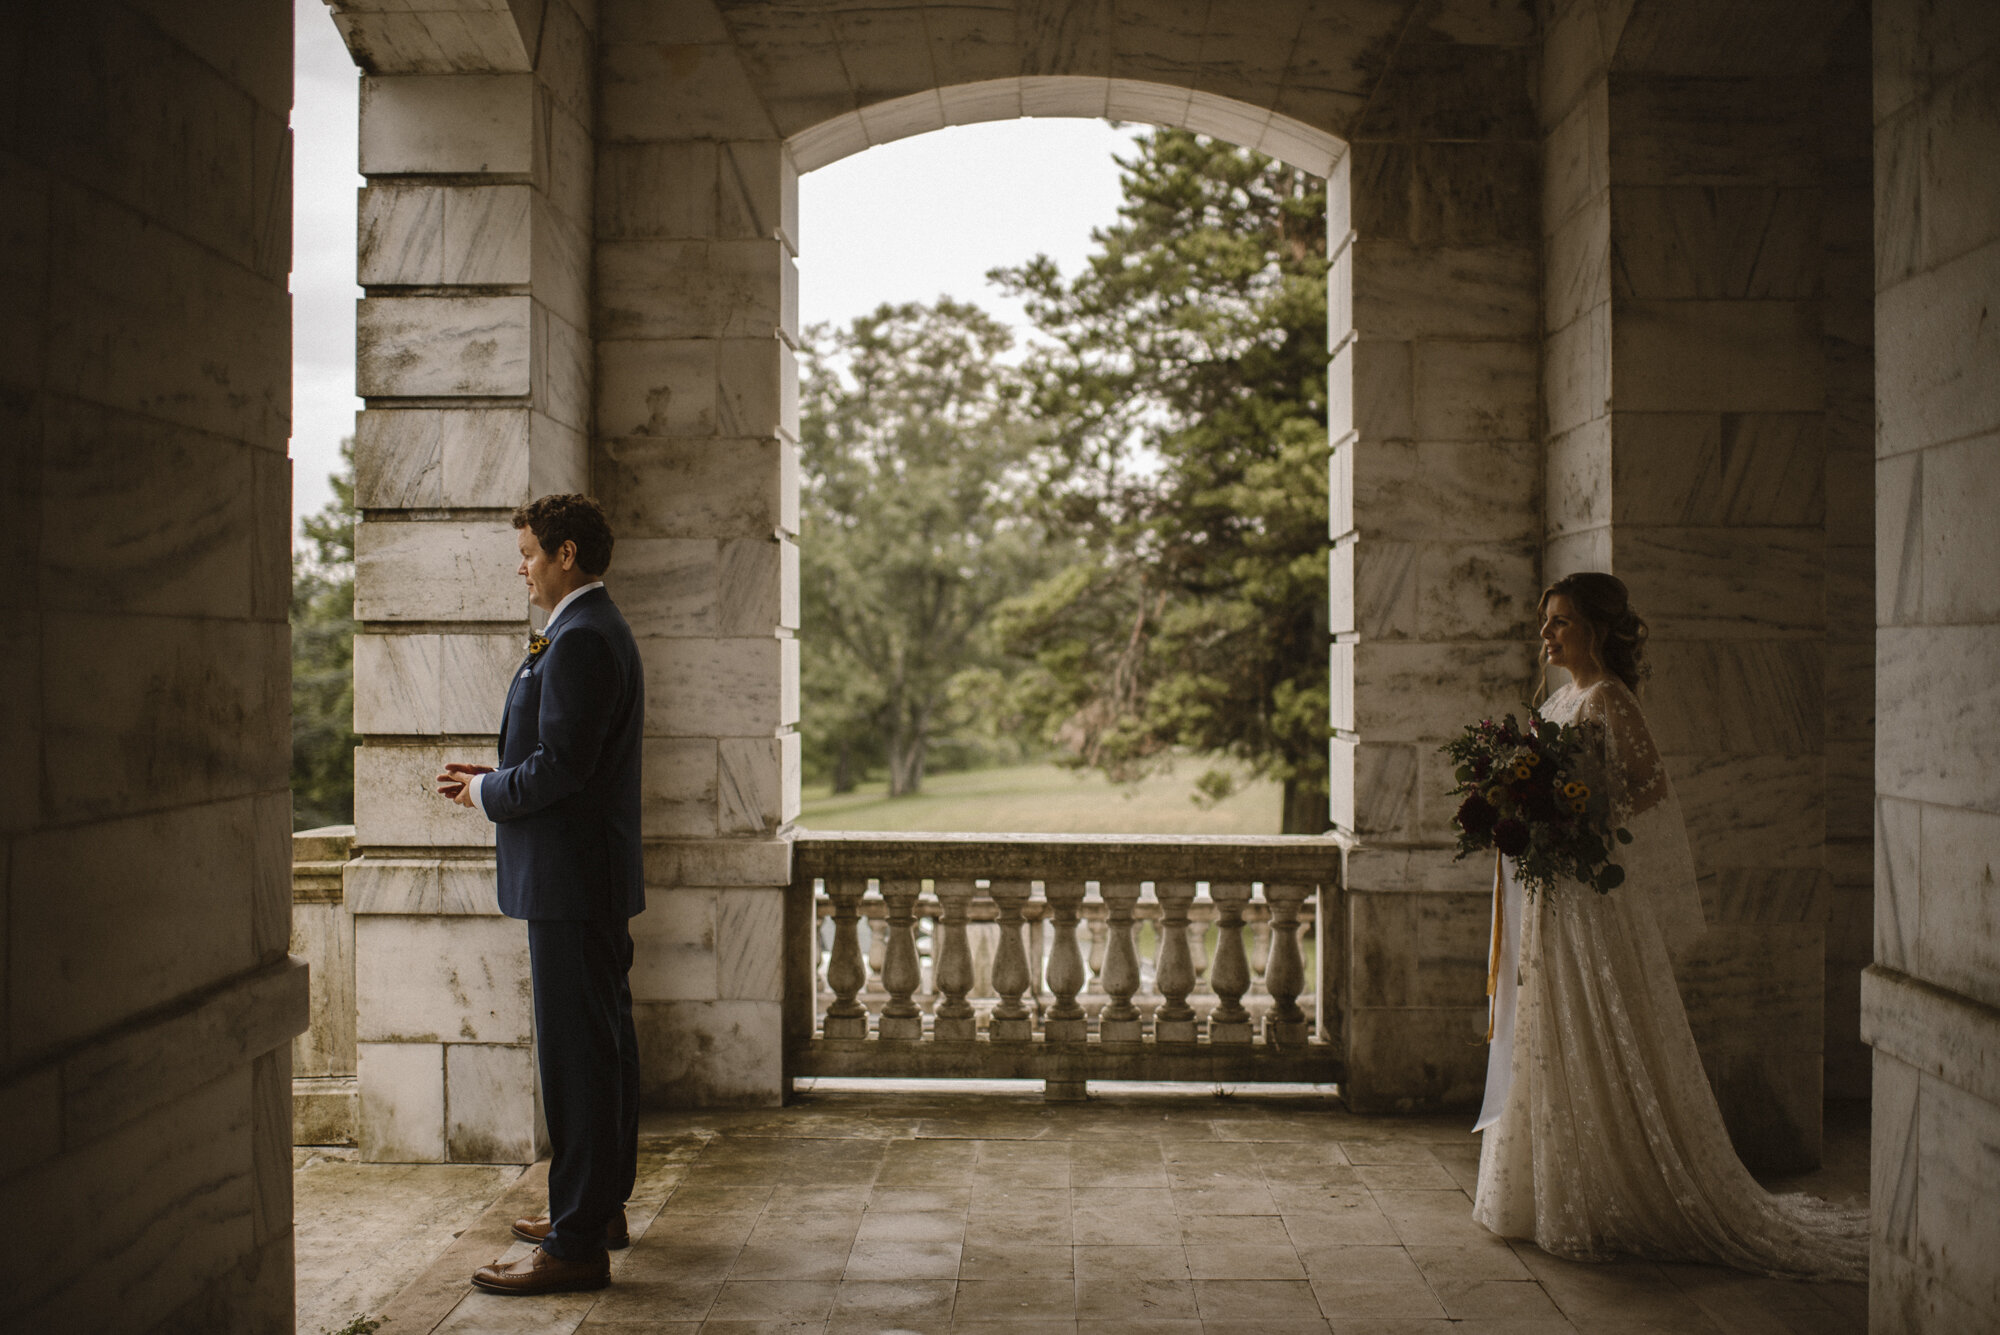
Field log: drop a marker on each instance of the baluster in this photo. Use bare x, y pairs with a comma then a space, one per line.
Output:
1100, 940
1010, 1022
1174, 972
1200, 914
1119, 977
1035, 913
845, 972
1260, 942
1229, 973
1285, 974
901, 1020
822, 932
872, 914
953, 971
1065, 1022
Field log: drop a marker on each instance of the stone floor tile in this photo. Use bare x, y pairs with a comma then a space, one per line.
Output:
1256, 1301
1402, 1298
1464, 1298
868, 1306
665, 1299
1139, 1326
733, 1327
1037, 1262
1233, 1198
1405, 1177
772, 1300
1136, 1299
1244, 1260
1133, 1219
1466, 1263
1355, 1225
1152, 1262
1004, 1230
882, 1261
1385, 1151
1360, 1265
1282, 1179
1204, 1230
1089, 1179
1012, 1301
911, 1226
903, 1200
793, 1199
492, 1314
1393, 1325
689, 1198
1306, 1198
1038, 1175
695, 1261
991, 1199
799, 1261
823, 1228
637, 1327
1513, 1326
1297, 1327
1050, 1151
1046, 1325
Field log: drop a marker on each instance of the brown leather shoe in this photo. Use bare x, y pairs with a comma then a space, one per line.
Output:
616, 1236
539, 1272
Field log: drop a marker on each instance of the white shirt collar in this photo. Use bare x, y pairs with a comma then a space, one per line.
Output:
574, 594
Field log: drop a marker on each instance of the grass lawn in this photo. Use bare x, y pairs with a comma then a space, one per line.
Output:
1044, 799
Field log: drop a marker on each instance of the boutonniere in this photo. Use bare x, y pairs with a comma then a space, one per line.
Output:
536, 643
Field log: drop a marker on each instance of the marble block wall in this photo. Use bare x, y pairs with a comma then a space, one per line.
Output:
1436, 476
147, 1001
474, 360
695, 456
1703, 203
1931, 1001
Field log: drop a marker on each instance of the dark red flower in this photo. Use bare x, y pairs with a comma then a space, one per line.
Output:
1511, 837
1476, 815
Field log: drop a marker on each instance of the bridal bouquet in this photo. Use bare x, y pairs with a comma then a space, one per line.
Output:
1532, 793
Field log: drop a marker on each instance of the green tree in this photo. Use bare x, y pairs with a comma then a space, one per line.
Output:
322, 617
918, 482
1181, 377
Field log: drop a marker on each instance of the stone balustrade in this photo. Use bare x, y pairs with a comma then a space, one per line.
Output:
324, 1092
1018, 956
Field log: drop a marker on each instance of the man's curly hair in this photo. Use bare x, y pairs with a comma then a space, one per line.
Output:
569, 517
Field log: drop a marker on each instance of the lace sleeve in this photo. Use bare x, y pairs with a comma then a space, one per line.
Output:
1631, 761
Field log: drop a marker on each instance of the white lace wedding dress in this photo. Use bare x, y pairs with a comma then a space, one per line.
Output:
1601, 1135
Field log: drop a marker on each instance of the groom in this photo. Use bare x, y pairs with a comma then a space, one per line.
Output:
565, 807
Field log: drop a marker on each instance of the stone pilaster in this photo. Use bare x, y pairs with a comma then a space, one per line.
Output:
474, 360
1436, 485
695, 455
1931, 1003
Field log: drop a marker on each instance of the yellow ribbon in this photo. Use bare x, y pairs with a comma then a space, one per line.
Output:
1493, 956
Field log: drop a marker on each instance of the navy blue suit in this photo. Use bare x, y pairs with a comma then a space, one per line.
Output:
565, 807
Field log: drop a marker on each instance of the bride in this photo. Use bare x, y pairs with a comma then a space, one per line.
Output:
1601, 1135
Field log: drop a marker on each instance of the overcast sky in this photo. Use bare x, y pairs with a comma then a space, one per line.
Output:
904, 222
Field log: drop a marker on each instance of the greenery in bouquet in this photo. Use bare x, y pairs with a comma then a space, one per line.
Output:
1534, 793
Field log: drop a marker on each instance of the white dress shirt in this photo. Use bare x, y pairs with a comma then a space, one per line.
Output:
548, 629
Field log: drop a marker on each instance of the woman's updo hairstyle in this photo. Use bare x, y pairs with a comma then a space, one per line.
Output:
1616, 631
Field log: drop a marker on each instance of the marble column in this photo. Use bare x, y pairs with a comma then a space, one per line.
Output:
1931, 1001
1436, 489
473, 357
694, 454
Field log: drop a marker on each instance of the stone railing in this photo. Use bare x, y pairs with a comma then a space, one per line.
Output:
324, 1093
973, 966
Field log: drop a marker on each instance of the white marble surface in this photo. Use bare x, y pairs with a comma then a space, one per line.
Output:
449, 887
675, 488
710, 1053
447, 123
490, 1103
402, 1102
441, 980
750, 962
680, 787
437, 570
430, 347
1404, 291
674, 946
714, 687
656, 289
396, 803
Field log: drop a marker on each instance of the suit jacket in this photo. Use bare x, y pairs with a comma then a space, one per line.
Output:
565, 798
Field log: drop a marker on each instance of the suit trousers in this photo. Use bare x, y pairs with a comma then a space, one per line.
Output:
588, 1054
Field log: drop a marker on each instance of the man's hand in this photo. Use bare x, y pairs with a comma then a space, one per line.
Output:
455, 783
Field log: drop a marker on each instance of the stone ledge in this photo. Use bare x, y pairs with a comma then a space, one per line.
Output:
119, 1076
1939, 1032
323, 1109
